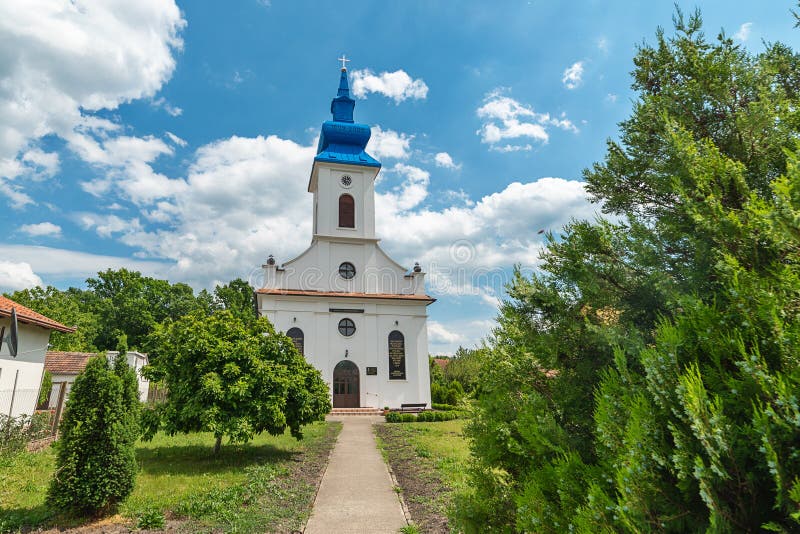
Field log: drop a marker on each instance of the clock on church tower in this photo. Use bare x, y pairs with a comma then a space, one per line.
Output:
355, 314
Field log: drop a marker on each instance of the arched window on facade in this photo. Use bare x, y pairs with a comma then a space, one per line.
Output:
347, 211
297, 337
397, 356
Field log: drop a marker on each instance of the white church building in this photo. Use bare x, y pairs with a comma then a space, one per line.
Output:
353, 312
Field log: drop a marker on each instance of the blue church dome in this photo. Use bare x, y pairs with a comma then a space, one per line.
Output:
342, 139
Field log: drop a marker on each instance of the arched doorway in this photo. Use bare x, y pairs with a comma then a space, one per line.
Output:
345, 385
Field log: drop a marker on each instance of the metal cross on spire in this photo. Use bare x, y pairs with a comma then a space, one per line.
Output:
344, 61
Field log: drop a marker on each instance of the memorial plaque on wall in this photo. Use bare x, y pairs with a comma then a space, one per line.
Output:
397, 356
297, 337
372, 371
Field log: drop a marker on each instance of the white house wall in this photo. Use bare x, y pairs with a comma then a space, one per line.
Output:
27, 367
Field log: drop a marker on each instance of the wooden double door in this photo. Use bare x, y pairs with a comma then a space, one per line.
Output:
345, 385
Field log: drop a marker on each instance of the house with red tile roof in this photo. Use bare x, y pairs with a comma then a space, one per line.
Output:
64, 367
22, 363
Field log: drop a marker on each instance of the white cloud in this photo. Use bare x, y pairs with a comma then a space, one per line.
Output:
211, 232
63, 61
611, 97
15, 276
162, 103
603, 45
744, 32
443, 159
397, 85
573, 75
506, 118
56, 264
47, 163
439, 335
175, 139
47, 229
389, 144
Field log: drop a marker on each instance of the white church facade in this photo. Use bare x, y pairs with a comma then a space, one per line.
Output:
353, 312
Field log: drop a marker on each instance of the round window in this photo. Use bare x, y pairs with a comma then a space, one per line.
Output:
346, 180
347, 270
347, 327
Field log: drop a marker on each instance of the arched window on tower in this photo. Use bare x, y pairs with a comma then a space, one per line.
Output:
297, 337
347, 211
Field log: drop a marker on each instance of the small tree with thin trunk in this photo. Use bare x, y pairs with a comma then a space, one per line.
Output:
233, 376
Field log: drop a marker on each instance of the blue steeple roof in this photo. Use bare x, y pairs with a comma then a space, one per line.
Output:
343, 140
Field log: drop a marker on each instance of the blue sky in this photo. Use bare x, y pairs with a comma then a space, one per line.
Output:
177, 139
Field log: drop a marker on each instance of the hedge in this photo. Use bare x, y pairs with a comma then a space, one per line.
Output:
422, 417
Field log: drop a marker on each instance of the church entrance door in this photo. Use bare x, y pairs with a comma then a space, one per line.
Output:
345, 385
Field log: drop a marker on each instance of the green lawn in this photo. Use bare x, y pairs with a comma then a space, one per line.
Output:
245, 488
429, 461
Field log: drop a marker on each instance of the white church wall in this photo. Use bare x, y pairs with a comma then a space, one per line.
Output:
368, 347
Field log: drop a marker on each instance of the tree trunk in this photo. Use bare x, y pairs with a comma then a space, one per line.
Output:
218, 444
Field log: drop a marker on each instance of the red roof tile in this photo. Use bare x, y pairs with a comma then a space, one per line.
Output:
66, 363
313, 293
441, 362
27, 315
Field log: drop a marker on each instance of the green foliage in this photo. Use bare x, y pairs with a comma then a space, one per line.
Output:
67, 307
647, 379
96, 463
234, 377
464, 368
45, 388
151, 519
429, 416
125, 302
236, 296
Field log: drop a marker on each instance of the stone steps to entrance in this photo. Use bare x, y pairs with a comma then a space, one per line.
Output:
356, 411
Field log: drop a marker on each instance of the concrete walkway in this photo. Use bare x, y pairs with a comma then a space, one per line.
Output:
356, 492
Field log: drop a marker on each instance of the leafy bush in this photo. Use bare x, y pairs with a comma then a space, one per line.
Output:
13, 433
428, 416
17, 432
233, 375
444, 407
151, 519
95, 456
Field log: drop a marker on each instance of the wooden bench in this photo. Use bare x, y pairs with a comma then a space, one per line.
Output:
413, 407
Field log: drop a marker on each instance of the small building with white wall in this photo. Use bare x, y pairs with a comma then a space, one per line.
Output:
21, 374
353, 312
65, 366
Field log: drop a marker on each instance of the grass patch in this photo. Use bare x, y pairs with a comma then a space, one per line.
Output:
266, 485
428, 460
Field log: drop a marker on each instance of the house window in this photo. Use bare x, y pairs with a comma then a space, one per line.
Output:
297, 337
347, 270
347, 327
347, 211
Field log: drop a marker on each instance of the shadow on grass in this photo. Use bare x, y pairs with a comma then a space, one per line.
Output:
14, 519
199, 460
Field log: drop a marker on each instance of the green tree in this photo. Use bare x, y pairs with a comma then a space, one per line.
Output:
126, 302
236, 296
641, 381
67, 307
234, 377
95, 455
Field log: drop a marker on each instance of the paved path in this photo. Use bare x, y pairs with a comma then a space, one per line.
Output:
356, 492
